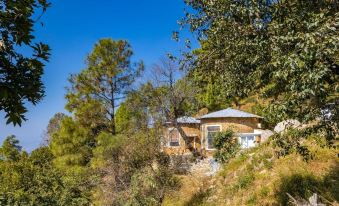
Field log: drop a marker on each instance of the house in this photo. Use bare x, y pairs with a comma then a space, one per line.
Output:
174, 142
200, 131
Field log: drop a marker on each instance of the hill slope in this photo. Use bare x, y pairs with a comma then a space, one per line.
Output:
257, 177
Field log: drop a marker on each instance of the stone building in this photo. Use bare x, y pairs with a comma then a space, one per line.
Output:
200, 131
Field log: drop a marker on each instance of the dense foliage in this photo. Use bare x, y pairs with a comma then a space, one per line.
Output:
287, 51
28, 179
283, 53
280, 56
110, 157
20, 75
226, 145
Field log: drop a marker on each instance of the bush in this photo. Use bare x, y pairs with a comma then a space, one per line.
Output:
291, 141
226, 146
245, 180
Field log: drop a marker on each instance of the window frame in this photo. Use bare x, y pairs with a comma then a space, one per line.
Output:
169, 137
247, 135
206, 134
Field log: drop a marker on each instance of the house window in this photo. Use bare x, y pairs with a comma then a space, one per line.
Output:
211, 132
247, 141
173, 136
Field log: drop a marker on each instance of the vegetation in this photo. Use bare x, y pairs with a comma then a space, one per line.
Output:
227, 146
20, 75
285, 51
277, 58
258, 177
28, 179
94, 92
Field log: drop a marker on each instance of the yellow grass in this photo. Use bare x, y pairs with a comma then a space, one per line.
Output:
257, 177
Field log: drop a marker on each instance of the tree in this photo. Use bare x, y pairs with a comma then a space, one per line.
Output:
29, 179
72, 147
123, 118
131, 170
20, 75
53, 126
10, 149
230, 34
284, 50
174, 94
302, 74
105, 81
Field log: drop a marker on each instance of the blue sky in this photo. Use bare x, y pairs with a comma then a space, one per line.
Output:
72, 27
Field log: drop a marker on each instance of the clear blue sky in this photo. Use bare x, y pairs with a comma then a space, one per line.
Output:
72, 27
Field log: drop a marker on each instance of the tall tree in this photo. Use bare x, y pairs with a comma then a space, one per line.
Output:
72, 147
173, 93
105, 81
230, 34
20, 75
285, 50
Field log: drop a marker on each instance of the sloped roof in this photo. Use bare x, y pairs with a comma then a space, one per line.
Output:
186, 120
229, 112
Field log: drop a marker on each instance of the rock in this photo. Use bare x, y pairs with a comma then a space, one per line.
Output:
290, 123
205, 167
265, 134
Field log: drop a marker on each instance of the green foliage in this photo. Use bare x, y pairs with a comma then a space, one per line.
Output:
10, 149
245, 180
291, 142
303, 65
123, 118
20, 76
29, 179
226, 145
72, 146
95, 92
231, 36
286, 51
53, 126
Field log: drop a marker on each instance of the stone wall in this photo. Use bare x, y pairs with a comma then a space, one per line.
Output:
238, 125
192, 131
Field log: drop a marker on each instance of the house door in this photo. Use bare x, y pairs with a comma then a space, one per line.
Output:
193, 143
247, 141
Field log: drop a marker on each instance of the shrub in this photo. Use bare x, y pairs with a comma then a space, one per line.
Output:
245, 180
290, 142
227, 147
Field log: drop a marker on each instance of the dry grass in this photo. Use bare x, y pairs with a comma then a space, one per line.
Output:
257, 177
192, 191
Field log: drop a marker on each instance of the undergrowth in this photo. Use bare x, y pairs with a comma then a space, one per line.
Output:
259, 177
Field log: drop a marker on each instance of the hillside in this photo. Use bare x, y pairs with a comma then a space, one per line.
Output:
258, 177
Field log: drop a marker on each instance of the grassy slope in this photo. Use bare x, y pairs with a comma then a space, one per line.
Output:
257, 177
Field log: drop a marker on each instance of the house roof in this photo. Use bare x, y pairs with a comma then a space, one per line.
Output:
187, 120
229, 112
